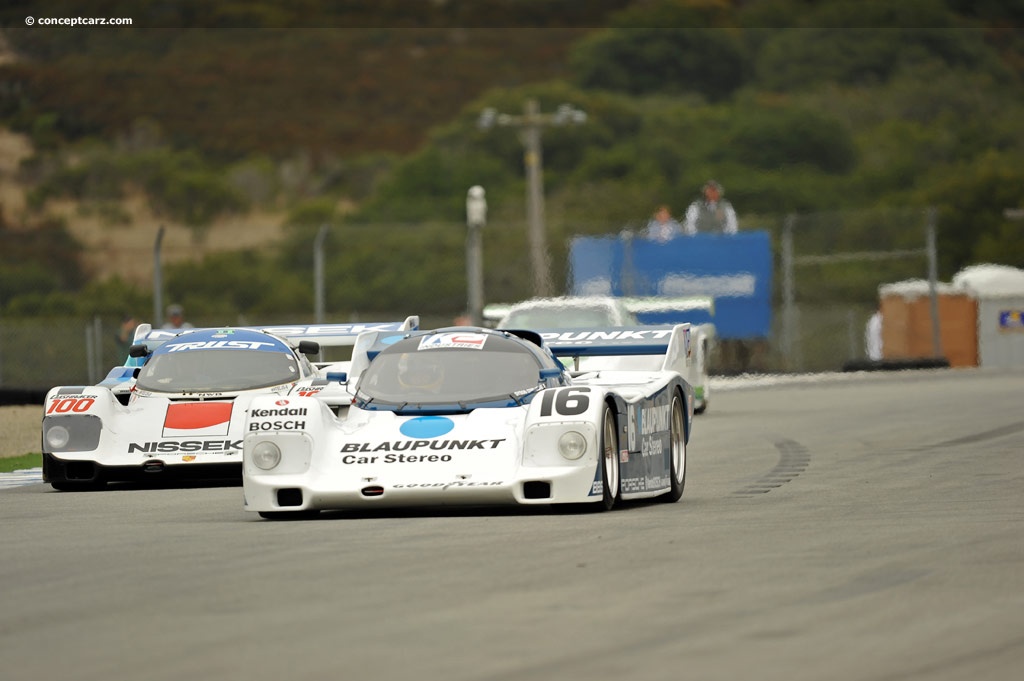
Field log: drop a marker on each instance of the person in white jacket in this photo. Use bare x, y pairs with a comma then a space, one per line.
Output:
873, 336
711, 214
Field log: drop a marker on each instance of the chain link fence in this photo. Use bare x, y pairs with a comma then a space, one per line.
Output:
828, 267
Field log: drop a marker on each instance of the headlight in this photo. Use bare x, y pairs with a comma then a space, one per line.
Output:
266, 455
57, 437
572, 445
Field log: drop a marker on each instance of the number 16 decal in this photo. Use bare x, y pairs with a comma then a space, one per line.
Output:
567, 401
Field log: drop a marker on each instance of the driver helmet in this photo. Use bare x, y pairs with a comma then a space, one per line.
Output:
420, 371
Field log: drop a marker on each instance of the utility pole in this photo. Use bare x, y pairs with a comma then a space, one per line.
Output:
530, 124
476, 218
318, 275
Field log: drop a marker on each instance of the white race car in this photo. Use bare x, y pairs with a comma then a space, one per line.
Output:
561, 314
475, 416
180, 413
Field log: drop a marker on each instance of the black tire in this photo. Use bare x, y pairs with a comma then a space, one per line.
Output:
677, 455
289, 515
71, 486
705, 379
610, 479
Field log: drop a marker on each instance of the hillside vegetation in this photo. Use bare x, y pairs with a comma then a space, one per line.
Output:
366, 119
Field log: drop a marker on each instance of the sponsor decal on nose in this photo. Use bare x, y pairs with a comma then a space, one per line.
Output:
427, 426
190, 419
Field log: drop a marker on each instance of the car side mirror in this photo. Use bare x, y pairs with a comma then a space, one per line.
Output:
138, 351
546, 374
309, 348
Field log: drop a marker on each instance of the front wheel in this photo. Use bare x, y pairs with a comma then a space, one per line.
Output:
677, 446
289, 515
609, 460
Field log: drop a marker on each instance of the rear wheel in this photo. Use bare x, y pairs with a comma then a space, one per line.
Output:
705, 379
677, 446
609, 460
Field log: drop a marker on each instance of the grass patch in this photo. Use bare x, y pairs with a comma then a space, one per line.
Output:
19, 463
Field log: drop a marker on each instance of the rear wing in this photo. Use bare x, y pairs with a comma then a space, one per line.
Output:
667, 346
495, 312
327, 335
640, 305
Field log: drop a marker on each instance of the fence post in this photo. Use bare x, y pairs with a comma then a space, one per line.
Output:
790, 352
933, 269
158, 281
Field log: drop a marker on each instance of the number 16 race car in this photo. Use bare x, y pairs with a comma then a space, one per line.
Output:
475, 416
177, 410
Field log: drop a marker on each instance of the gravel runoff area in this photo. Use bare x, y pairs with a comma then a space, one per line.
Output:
20, 430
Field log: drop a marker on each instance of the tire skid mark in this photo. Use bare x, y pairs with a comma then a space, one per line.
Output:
993, 434
793, 460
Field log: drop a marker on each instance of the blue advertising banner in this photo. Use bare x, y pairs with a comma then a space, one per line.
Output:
734, 269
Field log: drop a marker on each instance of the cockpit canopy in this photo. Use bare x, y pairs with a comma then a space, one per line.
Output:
451, 368
219, 361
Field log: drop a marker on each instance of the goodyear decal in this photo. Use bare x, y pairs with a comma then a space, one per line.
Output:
447, 485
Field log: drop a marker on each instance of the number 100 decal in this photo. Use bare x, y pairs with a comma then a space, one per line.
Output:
76, 405
566, 402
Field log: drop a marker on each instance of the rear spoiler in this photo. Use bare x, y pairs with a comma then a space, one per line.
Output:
605, 341
668, 345
327, 335
639, 305
494, 312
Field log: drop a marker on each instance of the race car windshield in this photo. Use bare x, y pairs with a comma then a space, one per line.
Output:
404, 374
217, 370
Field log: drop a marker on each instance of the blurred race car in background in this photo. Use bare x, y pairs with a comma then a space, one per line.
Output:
477, 416
556, 316
177, 409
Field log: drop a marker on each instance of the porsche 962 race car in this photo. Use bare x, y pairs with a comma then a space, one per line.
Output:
177, 408
475, 416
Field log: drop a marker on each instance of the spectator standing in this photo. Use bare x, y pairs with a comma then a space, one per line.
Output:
711, 214
176, 318
873, 337
662, 226
125, 335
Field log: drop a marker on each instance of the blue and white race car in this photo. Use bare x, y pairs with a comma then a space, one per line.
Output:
475, 416
564, 314
178, 408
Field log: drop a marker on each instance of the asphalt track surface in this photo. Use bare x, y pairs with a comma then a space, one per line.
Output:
865, 527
